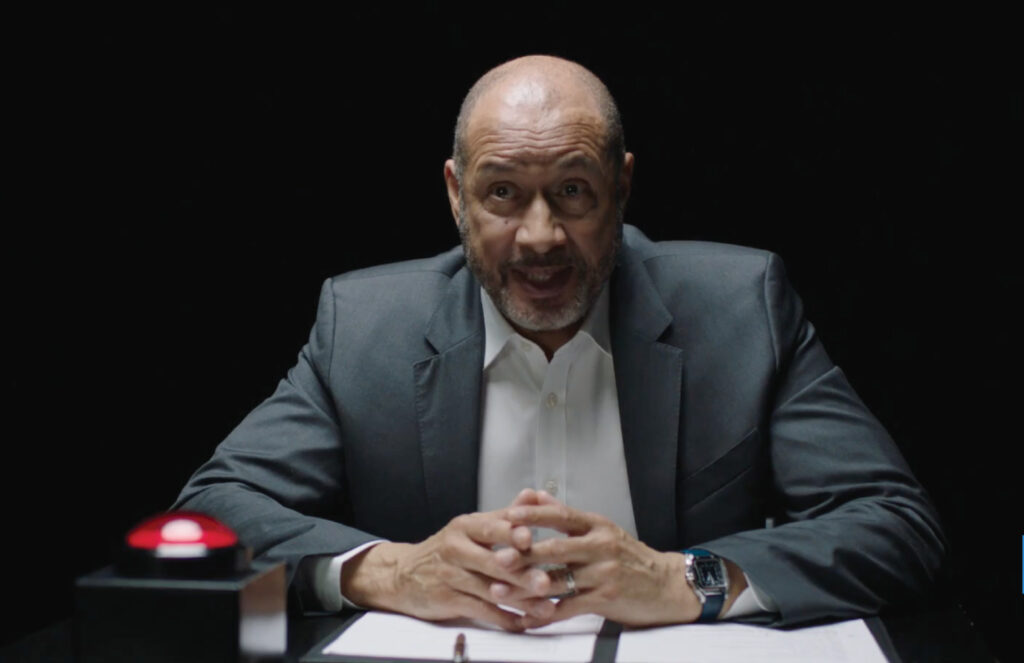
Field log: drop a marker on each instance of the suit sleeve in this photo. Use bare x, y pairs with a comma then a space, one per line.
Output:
278, 478
859, 531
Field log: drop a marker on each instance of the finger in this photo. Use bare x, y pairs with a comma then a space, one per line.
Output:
581, 604
560, 585
463, 553
487, 529
475, 608
511, 558
507, 595
526, 496
466, 582
501, 592
576, 551
522, 538
508, 558
544, 497
483, 588
556, 516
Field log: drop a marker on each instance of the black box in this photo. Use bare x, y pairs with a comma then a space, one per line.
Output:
240, 618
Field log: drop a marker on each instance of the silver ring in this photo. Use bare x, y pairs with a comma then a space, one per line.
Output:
570, 585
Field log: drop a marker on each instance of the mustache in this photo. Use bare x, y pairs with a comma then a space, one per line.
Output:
555, 259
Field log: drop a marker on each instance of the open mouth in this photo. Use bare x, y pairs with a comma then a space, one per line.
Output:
541, 282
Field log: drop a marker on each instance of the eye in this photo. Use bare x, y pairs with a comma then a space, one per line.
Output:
502, 191
574, 197
574, 189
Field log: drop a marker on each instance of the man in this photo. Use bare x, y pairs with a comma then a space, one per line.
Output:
562, 373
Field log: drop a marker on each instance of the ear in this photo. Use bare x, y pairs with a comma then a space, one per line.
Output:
625, 183
452, 183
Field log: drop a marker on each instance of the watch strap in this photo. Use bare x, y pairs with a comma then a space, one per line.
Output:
712, 606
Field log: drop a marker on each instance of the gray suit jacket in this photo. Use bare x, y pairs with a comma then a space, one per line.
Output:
731, 411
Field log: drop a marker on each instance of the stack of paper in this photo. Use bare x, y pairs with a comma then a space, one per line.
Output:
395, 636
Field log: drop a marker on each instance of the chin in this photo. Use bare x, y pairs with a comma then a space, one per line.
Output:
540, 320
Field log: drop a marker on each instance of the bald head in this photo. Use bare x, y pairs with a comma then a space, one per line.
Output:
546, 82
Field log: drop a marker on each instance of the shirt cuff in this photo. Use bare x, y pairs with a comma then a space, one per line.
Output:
749, 602
327, 579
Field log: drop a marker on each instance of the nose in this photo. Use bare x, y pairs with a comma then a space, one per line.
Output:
539, 231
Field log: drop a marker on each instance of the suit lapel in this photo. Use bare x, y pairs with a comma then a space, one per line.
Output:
648, 377
448, 402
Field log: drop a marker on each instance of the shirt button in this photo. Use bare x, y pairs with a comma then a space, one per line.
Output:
551, 400
552, 487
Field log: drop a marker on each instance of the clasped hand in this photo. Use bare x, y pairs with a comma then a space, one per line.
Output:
481, 561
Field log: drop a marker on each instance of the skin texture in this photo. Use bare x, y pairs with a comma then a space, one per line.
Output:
451, 573
539, 197
616, 575
538, 207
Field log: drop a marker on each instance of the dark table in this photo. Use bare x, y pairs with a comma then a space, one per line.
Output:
939, 631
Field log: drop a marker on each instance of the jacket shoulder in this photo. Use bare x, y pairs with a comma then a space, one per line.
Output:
444, 265
391, 300
699, 265
409, 283
717, 292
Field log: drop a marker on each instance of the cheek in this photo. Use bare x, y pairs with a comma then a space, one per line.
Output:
594, 246
491, 250
495, 239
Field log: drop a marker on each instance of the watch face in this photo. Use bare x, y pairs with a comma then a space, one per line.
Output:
709, 573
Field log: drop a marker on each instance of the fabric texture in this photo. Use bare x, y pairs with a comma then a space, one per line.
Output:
731, 412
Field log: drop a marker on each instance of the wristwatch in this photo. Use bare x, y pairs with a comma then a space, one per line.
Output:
707, 576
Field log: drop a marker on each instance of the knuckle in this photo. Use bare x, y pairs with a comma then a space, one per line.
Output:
448, 548
557, 547
605, 538
494, 530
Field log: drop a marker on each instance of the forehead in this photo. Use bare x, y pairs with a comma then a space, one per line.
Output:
527, 123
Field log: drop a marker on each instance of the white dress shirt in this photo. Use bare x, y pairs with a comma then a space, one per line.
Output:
545, 425
553, 425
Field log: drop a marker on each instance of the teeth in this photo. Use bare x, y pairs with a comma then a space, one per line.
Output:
539, 274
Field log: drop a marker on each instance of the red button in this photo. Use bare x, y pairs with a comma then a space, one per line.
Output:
185, 529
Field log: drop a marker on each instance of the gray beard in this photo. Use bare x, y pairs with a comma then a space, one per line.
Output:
588, 286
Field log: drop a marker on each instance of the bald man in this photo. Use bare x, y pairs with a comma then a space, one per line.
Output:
561, 407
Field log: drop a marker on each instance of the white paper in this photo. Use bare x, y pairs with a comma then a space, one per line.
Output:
388, 635
725, 642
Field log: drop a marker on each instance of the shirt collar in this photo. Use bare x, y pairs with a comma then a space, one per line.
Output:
498, 331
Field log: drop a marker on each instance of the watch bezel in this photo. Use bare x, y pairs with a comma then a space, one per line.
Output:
693, 577
716, 588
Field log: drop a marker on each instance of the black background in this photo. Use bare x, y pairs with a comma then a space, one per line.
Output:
183, 181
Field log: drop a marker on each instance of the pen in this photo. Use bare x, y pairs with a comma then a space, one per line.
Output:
460, 649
